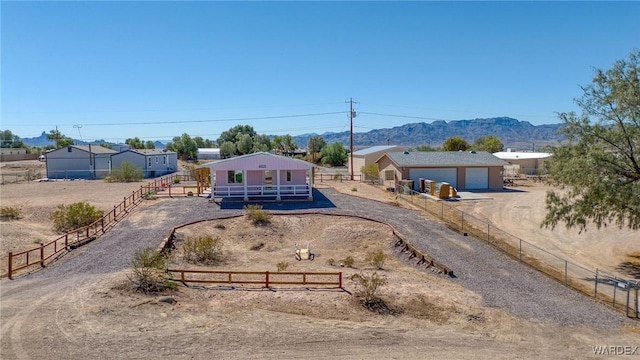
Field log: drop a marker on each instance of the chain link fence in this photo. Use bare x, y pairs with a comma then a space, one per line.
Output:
621, 294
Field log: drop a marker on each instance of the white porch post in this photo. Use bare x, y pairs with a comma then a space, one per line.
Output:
278, 184
244, 182
211, 182
310, 184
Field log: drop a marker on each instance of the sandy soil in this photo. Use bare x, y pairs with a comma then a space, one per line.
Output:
521, 210
95, 316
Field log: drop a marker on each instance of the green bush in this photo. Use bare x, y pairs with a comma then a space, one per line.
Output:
202, 249
256, 215
331, 262
10, 213
348, 261
126, 172
376, 258
69, 217
367, 285
176, 180
148, 274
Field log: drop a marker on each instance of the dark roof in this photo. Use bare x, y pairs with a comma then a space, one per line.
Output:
445, 158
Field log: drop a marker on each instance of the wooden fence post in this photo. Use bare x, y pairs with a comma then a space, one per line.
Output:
266, 280
340, 280
41, 255
10, 260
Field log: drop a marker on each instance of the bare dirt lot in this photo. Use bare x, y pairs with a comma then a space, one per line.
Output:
71, 314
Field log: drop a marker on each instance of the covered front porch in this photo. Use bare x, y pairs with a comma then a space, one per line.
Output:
261, 176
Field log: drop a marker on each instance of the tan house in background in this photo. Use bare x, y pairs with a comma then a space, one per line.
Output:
472, 170
369, 156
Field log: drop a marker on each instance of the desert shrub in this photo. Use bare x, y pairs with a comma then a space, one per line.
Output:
354, 189
348, 261
202, 249
149, 195
376, 258
220, 226
337, 176
257, 246
256, 215
331, 262
148, 271
74, 216
176, 180
10, 213
282, 266
126, 172
367, 285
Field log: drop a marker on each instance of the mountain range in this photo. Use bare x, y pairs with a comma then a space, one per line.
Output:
513, 133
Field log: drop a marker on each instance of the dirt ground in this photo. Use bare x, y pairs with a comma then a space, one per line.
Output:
94, 316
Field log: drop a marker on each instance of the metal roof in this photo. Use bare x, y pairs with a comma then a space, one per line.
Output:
516, 155
151, 151
375, 149
445, 158
95, 149
249, 160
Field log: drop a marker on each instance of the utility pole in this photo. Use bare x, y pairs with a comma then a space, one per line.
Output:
352, 114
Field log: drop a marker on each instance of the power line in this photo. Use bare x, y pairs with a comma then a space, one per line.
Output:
402, 116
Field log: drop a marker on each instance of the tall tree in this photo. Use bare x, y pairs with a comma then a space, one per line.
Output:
261, 143
135, 143
227, 149
149, 144
60, 139
315, 145
244, 144
455, 143
233, 134
185, 146
596, 172
490, 143
334, 154
9, 140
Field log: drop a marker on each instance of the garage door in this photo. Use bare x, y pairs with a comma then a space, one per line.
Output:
449, 175
476, 178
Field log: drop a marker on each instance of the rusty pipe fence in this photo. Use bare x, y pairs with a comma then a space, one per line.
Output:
621, 294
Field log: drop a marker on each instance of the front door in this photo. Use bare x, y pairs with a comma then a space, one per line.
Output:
268, 180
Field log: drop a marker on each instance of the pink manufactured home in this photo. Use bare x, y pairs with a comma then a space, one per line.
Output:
262, 176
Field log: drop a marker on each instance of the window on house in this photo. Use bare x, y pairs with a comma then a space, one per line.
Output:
69, 148
234, 177
388, 174
288, 175
164, 160
157, 161
149, 162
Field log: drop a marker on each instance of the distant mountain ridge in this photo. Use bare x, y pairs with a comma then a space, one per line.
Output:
514, 134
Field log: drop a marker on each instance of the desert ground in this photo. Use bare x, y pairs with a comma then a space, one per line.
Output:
74, 309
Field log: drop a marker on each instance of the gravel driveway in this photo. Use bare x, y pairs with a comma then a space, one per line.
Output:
501, 281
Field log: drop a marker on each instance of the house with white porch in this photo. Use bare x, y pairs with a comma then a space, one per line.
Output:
261, 176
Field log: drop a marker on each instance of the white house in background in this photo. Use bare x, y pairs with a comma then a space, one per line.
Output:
261, 176
208, 154
79, 162
528, 163
153, 162
369, 156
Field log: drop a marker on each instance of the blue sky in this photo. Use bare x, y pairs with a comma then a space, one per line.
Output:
155, 70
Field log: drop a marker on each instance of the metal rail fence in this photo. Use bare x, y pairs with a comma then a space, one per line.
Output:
621, 294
